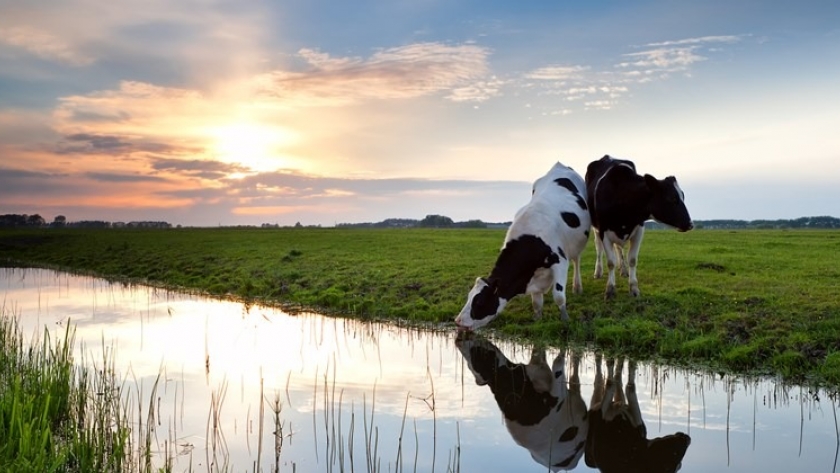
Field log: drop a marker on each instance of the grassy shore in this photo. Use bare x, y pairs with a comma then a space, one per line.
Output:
758, 301
54, 415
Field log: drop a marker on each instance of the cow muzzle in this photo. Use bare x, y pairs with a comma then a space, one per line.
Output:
461, 327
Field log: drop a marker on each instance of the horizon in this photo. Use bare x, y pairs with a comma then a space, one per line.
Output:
458, 223
320, 112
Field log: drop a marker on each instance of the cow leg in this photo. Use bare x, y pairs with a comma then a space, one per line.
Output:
598, 388
621, 261
609, 251
632, 398
577, 285
560, 271
633, 259
599, 251
574, 379
537, 304
619, 388
609, 391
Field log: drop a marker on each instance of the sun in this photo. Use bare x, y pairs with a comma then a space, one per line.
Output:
252, 145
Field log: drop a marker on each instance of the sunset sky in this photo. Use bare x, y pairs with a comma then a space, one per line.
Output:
205, 112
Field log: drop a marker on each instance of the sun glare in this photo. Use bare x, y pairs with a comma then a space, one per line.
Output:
251, 145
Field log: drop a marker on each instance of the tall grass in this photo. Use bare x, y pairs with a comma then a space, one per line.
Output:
54, 415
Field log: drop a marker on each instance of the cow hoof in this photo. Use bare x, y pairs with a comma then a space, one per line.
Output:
609, 293
598, 274
564, 316
635, 292
577, 289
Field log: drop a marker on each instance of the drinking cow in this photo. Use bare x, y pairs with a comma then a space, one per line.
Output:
546, 234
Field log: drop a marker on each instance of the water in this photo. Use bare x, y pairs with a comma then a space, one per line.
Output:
356, 396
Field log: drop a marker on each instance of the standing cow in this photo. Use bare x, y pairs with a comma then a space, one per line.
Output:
547, 233
542, 413
620, 201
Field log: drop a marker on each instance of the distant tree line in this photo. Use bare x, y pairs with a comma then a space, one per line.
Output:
60, 221
801, 222
429, 221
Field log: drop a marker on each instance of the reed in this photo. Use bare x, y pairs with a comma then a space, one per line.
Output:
58, 416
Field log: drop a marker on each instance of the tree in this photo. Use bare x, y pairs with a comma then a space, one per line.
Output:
59, 221
436, 221
35, 220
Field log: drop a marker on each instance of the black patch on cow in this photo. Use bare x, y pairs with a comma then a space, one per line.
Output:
561, 253
569, 434
513, 390
486, 302
571, 219
568, 461
567, 184
558, 286
518, 261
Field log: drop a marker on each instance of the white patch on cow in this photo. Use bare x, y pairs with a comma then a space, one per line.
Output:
679, 192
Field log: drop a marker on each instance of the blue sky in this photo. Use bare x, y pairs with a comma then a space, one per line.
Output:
222, 112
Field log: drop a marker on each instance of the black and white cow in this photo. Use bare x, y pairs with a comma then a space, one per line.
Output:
617, 439
546, 234
542, 413
620, 201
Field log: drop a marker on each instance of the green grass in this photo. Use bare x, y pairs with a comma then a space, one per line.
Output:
752, 301
54, 415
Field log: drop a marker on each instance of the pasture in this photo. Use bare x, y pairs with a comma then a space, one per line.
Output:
752, 301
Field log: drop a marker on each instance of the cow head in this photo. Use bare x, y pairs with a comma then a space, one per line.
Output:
668, 203
483, 305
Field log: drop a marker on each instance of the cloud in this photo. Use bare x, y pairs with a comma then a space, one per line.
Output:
43, 45
604, 89
409, 71
700, 40
113, 177
674, 55
203, 168
112, 145
557, 73
663, 59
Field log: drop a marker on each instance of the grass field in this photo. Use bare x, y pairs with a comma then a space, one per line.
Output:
756, 301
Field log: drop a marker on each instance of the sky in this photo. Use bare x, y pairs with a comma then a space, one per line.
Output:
243, 112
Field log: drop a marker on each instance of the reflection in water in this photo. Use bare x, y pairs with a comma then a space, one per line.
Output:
617, 440
546, 414
221, 384
541, 412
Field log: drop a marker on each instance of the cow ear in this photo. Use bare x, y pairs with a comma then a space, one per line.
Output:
652, 182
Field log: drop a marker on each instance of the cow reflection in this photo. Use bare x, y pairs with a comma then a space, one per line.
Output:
541, 412
617, 440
